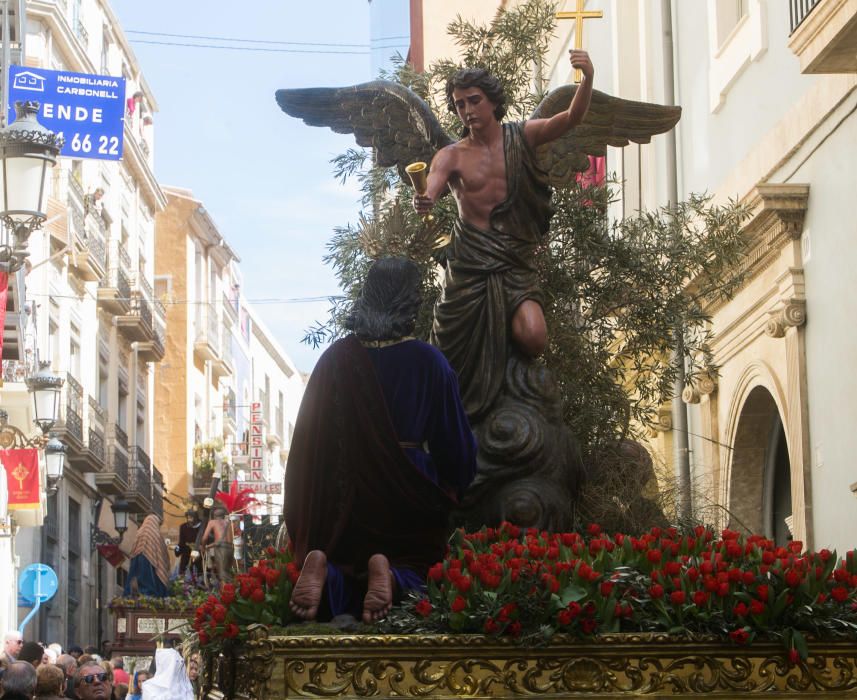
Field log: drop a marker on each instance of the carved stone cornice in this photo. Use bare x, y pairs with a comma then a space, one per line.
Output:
777, 215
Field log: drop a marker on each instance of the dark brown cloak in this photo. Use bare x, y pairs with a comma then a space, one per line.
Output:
350, 490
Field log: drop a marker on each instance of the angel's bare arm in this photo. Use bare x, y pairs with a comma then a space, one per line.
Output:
540, 131
441, 170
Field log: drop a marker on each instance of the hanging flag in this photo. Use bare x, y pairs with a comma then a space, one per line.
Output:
22, 477
4, 289
596, 174
111, 553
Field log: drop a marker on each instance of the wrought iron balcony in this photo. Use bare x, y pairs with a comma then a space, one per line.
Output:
17, 370
136, 325
153, 350
120, 436
114, 289
139, 495
82, 34
95, 454
207, 344
89, 256
70, 428
114, 480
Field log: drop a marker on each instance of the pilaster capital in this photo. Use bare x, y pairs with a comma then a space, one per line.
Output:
791, 313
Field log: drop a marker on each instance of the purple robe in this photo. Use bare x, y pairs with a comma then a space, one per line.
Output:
352, 488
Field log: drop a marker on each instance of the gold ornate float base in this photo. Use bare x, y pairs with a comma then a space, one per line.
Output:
447, 666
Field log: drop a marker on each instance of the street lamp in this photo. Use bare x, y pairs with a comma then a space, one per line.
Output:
120, 516
97, 536
54, 462
45, 387
27, 152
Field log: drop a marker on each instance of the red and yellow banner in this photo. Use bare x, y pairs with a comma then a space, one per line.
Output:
22, 475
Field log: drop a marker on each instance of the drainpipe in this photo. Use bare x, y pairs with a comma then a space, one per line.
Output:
681, 444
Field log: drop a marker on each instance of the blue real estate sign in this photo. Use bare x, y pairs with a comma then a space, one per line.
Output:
88, 110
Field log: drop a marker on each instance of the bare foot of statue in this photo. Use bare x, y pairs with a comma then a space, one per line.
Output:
379, 590
307, 594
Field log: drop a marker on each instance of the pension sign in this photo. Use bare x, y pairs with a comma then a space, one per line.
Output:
87, 110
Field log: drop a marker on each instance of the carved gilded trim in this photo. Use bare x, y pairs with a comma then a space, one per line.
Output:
446, 666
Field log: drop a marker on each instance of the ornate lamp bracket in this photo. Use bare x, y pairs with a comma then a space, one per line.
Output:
11, 437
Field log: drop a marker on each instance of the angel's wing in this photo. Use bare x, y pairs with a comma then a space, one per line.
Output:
609, 121
383, 115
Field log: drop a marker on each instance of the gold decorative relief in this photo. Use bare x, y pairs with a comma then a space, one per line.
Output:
445, 666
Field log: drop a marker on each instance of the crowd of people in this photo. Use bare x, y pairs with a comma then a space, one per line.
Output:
31, 671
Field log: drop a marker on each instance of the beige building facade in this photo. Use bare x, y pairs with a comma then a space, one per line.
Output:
89, 312
768, 91
222, 374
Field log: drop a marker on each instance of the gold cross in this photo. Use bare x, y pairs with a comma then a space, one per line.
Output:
578, 16
20, 473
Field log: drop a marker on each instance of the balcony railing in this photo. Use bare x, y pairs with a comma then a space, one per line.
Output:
96, 247
207, 332
97, 412
82, 34
96, 443
120, 436
96, 429
124, 258
144, 310
119, 464
143, 458
76, 192
74, 407
141, 481
144, 286
117, 276
17, 370
799, 10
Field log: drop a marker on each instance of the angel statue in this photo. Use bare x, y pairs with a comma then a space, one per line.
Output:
489, 319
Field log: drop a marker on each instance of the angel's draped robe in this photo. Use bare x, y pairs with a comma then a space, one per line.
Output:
489, 274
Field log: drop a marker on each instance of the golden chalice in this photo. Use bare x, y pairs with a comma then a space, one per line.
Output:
418, 173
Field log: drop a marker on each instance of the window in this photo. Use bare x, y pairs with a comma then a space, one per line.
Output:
54, 340
141, 423
73, 557
729, 13
103, 382
266, 402
74, 352
122, 412
105, 54
737, 37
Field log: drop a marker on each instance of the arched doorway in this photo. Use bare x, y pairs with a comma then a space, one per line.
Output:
760, 481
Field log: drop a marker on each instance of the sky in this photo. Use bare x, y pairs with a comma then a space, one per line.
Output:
264, 177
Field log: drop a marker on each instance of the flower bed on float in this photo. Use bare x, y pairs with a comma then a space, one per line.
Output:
529, 589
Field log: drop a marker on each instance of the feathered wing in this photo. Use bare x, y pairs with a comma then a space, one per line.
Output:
609, 121
383, 115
